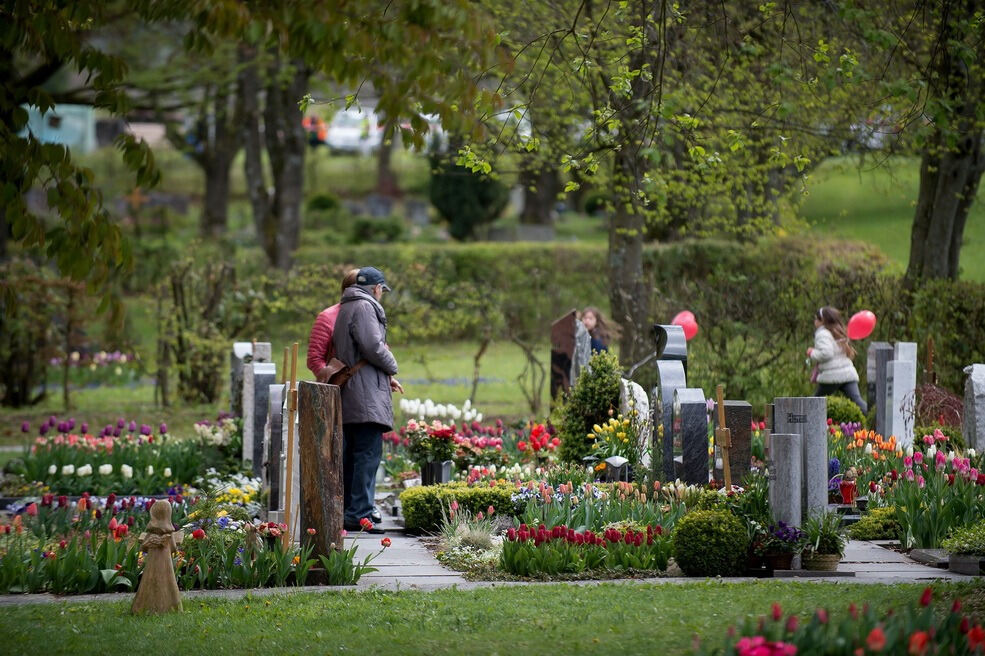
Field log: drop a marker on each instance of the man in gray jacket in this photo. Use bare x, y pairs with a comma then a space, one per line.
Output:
367, 411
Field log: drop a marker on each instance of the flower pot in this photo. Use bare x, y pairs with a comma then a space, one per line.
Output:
821, 562
433, 473
847, 492
779, 560
964, 564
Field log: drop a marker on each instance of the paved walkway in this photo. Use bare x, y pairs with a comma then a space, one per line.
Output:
408, 565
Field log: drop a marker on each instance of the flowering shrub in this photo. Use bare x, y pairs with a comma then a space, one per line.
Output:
560, 549
434, 442
616, 437
537, 442
912, 630
780, 539
93, 369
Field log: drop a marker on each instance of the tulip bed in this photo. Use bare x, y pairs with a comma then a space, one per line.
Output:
911, 629
562, 550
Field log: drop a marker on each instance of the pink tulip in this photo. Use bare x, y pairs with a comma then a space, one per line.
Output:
918, 457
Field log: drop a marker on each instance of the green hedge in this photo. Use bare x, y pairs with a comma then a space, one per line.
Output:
710, 543
422, 506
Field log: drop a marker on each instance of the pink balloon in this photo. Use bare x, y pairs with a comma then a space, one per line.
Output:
861, 324
686, 321
682, 317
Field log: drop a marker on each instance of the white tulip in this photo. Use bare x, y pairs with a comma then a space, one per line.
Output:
68, 470
150, 470
127, 471
868, 449
972, 453
84, 470
950, 456
105, 470
931, 452
909, 451
52, 469
478, 417
167, 472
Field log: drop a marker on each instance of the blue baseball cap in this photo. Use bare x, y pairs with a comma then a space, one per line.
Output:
371, 276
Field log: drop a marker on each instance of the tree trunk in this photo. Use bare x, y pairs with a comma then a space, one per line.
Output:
256, 182
386, 179
948, 186
285, 139
540, 189
215, 210
217, 159
629, 294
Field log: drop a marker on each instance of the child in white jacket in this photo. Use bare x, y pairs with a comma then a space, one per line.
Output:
833, 354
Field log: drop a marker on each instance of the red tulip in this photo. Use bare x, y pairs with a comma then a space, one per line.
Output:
876, 639
385, 542
198, 534
926, 597
32, 510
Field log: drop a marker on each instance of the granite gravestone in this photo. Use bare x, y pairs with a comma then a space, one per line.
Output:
242, 352
786, 477
901, 377
973, 422
671, 343
690, 427
259, 353
670, 378
258, 377
738, 419
883, 357
807, 417
273, 437
562, 352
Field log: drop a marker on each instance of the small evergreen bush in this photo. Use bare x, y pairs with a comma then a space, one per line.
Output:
967, 540
841, 410
877, 524
422, 506
595, 393
710, 543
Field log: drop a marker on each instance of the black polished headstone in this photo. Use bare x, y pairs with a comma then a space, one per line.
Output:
871, 369
264, 375
738, 419
670, 378
275, 445
671, 343
691, 424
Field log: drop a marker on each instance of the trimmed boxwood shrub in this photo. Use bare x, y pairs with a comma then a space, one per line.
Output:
422, 505
710, 543
877, 524
841, 410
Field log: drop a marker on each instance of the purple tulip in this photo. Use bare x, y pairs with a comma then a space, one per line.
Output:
163, 428
85, 428
62, 427
52, 420
116, 432
144, 429
120, 423
26, 426
43, 430
133, 426
71, 423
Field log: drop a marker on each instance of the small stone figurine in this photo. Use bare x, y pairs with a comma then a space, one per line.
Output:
158, 589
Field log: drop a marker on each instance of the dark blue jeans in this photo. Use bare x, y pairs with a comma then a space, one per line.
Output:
848, 389
362, 449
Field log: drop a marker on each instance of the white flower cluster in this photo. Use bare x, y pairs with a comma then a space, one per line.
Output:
427, 408
216, 434
105, 469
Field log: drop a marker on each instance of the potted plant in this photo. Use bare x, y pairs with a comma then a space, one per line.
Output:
967, 549
824, 542
431, 446
781, 543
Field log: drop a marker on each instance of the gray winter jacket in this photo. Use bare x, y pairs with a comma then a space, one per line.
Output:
360, 332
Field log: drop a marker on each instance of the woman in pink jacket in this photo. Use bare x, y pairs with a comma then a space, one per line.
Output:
320, 347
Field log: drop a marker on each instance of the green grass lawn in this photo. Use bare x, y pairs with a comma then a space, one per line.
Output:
559, 619
876, 205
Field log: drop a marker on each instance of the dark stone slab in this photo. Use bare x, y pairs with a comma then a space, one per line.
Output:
320, 445
871, 369
275, 446
932, 557
738, 419
264, 375
241, 352
786, 477
970, 565
671, 343
883, 409
562, 352
670, 378
691, 424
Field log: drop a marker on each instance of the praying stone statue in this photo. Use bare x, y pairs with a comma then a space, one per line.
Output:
158, 589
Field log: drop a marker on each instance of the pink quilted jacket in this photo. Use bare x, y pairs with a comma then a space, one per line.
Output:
320, 347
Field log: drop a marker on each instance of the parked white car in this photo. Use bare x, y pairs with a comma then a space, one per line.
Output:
354, 130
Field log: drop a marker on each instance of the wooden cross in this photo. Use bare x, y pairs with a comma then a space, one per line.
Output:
135, 199
723, 437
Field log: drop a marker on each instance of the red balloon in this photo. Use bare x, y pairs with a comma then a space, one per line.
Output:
861, 325
686, 321
682, 317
